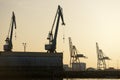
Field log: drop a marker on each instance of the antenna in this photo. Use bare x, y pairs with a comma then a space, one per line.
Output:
24, 45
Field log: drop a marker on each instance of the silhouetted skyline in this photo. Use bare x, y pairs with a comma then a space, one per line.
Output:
87, 22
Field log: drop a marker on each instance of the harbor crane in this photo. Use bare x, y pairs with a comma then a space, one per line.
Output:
51, 47
101, 64
74, 55
8, 46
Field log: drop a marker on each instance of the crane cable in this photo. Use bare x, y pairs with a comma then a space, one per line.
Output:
63, 28
63, 35
15, 35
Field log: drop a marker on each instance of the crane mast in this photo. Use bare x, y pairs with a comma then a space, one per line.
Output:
8, 46
51, 47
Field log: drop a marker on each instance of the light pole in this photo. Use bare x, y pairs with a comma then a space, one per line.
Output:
24, 45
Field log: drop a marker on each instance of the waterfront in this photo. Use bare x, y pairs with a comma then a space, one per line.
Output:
75, 79
89, 79
64, 79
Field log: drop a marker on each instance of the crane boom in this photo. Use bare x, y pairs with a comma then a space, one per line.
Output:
8, 46
13, 24
52, 40
57, 25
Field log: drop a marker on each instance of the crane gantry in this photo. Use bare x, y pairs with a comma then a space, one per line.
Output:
74, 55
101, 64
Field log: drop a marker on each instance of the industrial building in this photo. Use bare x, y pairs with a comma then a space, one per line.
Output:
31, 61
79, 66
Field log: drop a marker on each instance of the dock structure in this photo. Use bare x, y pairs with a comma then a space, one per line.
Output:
27, 64
31, 61
92, 74
38, 74
36, 65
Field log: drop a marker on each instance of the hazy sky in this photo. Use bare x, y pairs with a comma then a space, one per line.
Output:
87, 22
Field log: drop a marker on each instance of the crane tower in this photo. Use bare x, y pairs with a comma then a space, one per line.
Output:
101, 64
74, 56
51, 47
8, 46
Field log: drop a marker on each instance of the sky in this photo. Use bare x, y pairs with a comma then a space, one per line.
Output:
87, 22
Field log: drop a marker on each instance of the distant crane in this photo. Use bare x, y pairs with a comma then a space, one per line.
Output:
8, 46
101, 64
74, 56
24, 45
51, 47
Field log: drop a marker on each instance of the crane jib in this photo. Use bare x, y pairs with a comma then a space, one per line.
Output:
13, 19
